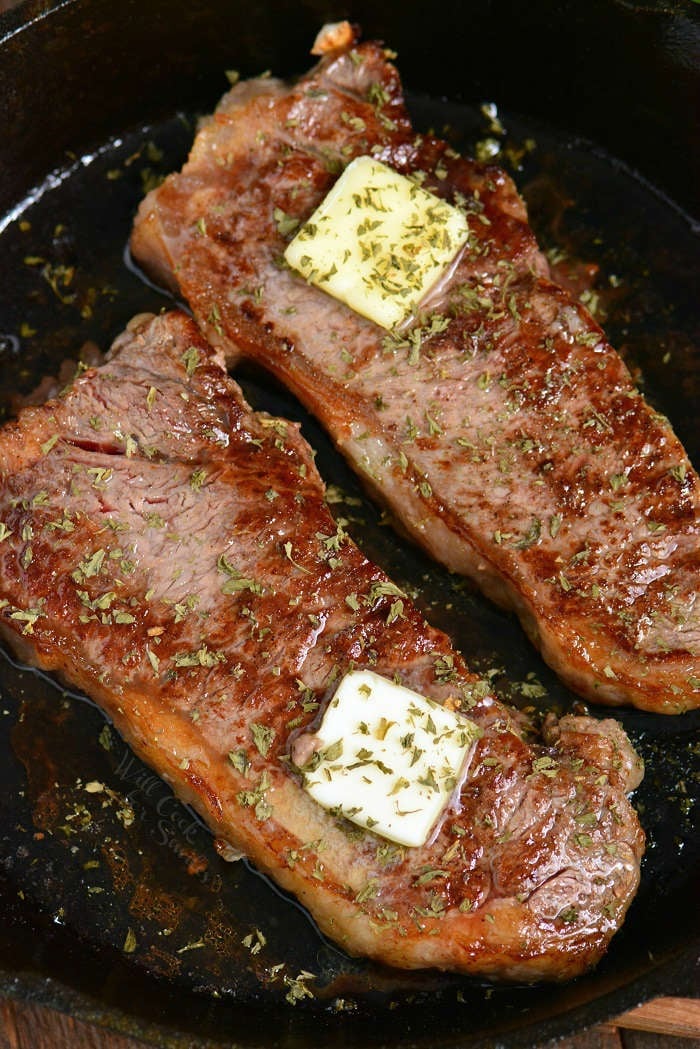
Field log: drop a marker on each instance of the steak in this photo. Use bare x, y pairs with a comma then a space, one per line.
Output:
502, 430
169, 551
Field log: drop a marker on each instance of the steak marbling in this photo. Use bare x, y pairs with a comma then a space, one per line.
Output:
168, 551
503, 431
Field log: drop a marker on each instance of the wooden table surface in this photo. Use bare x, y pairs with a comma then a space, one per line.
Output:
666, 1023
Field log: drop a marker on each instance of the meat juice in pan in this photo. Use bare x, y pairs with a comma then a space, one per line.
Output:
106, 295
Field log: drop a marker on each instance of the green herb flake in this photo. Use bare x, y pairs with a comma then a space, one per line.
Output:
298, 988
27, 616
130, 942
263, 737
554, 525
190, 359
286, 224
202, 657
197, 479
545, 766
48, 445
430, 875
288, 554
254, 941
368, 891
236, 582
532, 535
153, 660
240, 761
90, 567
256, 799
195, 945
101, 476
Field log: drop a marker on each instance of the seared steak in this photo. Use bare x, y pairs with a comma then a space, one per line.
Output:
503, 431
168, 550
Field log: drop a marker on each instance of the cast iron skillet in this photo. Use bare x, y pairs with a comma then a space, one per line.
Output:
114, 905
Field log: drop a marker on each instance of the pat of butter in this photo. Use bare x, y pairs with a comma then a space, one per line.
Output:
378, 242
387, 758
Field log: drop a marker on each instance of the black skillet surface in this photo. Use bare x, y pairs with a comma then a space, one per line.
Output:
115, 906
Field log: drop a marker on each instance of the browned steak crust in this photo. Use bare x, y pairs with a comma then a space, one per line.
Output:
169, 551
504, 432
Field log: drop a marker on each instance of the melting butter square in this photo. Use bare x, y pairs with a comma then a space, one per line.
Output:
387, 758
378, 242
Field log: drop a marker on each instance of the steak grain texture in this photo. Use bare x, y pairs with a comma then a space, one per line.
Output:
502, 430
168, 551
